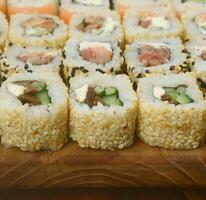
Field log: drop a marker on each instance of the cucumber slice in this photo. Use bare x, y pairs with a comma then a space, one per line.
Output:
203, 27
43, 97
39, 86
100, 91
111, 91
184, 99
112, 100
168, 89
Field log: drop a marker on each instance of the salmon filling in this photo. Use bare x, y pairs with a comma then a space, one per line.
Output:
94, 95
173, 95
151, 56
203, 55
91, 24
96, 54
36, 58
30, 92
38, 26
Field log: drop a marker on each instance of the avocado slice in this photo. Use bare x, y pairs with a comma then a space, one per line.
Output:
112, 100
39, 85
111, 91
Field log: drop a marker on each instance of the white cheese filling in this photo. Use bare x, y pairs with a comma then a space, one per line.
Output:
90, 2
86, 45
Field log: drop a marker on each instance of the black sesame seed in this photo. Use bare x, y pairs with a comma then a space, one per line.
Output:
10, 44
30, 71
85, 71
112, 69
26, 66
172, 67
100, 70
63, 54
147, 71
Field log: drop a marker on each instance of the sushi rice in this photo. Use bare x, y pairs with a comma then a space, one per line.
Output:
102, 126
33, 128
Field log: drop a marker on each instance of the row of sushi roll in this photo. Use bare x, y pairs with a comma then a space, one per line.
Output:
76, 81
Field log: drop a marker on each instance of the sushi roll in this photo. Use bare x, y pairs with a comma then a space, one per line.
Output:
4, 30
197, 52
34, 112
194, 21
69, 7
103, 25
3, 6
103, 111
38, 30
151, 57
91, 56
32, 6
17, 59
171, 112
123, 6
151, 23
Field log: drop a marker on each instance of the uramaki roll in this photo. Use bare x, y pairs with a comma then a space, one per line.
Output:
171, 112
34, 112
38, 30
152, 57
69, 7
151, 23
103, 111
91, 56
16, 59
103, 25
4, 30
32, 6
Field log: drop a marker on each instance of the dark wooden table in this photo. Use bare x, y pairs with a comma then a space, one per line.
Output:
104, 194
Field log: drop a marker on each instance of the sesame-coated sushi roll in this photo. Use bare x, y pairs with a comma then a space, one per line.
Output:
38, 30
17, 59
32, 6
155, 57
103, 25
171, 112
3, 6
151, 23
91, 56
69, 7
103, 110
194, 21
4, 30
197, 51
34, 112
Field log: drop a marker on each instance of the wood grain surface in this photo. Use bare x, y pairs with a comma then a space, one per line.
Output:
138, 166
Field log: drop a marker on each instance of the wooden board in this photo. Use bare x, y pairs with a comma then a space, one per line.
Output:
138, 166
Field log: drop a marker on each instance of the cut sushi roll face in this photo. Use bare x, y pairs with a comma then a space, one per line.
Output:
34, 112
177, 120
151, 24
194, 22
70, 7
38, 30
91, 56
32, 6
102, 26
155, 57
103, 111
17, 59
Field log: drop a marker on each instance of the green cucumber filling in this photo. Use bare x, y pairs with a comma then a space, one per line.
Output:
202, 85
197, 1
93, 95
173, 95
30, 92
39, 26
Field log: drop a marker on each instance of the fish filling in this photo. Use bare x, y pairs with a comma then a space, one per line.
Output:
93, 95
99, 53
39, 26
151, 56
30, 92
173, 95
35, 58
